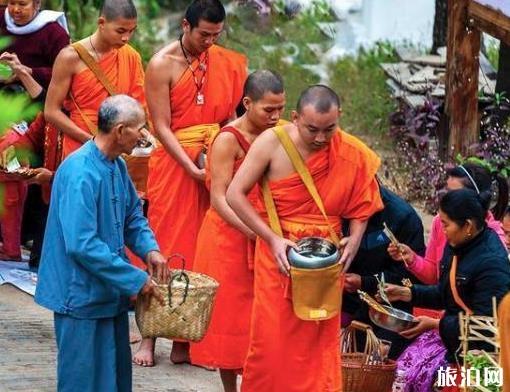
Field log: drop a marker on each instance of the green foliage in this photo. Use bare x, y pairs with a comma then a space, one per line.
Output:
481, 361
361, 83
279, 43
492, 52
82, 19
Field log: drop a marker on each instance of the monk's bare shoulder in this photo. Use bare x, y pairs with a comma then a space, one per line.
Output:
68, 60
167, 64
226, 144
267, 140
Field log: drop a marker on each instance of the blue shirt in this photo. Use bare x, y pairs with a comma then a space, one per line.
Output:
94, 212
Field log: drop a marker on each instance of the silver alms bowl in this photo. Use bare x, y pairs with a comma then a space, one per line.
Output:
396, 321
313, 253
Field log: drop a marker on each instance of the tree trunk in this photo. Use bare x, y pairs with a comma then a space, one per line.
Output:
440, 25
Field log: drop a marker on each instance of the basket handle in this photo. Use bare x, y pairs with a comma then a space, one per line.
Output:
178, 277
178, 256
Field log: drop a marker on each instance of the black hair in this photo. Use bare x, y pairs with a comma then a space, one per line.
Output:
209, 10
507, 211
115, 9
483, 179
261, 82
463, 204
320, 96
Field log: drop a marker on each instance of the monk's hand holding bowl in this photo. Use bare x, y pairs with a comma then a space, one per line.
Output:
397, 293
157, 266
198, 174
425, 324
279, 247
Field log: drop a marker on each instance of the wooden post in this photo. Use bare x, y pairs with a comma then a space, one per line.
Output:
462, 78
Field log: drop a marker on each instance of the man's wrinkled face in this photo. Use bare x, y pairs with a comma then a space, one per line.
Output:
265, 112
117, 32
203, 36
316, 128
129, 134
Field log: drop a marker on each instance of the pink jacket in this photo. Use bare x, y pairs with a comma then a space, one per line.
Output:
427, 268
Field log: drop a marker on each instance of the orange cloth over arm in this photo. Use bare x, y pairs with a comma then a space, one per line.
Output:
504, 335
123, 68
177, 203
286, 353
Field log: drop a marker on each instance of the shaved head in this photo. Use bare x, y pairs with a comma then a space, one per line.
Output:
261, 82
115, 9
321, 97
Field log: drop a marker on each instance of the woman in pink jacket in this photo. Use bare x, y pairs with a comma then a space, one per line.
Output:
470, 176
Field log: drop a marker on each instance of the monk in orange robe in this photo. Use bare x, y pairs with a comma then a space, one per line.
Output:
193, 88
76, 88
286, 353
224, 246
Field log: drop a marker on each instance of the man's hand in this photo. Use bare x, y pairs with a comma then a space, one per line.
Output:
352, 283
401, 252
150, 290
197, 174
157, 266
349, 248
397, 293
425, 324
42, 176
279, 247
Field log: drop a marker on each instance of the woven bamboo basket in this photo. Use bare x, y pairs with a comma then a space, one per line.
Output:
189, 298
365, 371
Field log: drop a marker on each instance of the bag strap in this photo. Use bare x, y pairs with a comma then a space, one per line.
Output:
453, 287
99, 74
90, 125
94, 67
306, 177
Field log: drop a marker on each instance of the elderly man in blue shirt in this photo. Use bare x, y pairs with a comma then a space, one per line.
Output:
85, 277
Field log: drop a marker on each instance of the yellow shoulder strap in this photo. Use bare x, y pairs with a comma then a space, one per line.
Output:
300, 166
90, 125
94, 67
274, 221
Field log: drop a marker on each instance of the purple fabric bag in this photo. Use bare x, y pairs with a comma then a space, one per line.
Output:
421, 360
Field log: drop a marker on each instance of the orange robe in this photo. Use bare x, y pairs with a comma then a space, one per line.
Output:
177, 203
286, 353
504, 335
123, 68
225, 254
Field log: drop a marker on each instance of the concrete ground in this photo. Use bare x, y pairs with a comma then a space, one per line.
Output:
28, 353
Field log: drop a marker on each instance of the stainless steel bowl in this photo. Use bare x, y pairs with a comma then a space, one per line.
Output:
313, 253
396, 321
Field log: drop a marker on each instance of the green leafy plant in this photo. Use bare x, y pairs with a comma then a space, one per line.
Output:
481, 361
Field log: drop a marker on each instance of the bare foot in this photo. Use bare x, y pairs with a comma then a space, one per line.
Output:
180, 353
145, 354
134, 338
